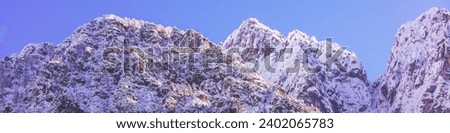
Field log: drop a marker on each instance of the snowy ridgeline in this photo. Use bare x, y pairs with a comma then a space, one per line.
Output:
114, 64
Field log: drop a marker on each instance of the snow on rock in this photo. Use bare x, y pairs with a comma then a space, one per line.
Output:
418, 74
115, 64
324, 75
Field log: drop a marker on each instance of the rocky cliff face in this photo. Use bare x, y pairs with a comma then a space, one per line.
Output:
418, 74
114, 64
323, 73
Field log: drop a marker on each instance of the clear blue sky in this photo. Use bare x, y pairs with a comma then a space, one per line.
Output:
367, 28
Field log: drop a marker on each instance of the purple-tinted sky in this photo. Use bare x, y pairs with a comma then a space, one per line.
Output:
367, 28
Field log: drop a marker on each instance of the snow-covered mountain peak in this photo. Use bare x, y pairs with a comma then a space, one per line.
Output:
108, 17
127, 22
252, 34
297, 34
433, 17
297, 37
418, 74
253, 23
440, 13
303, 66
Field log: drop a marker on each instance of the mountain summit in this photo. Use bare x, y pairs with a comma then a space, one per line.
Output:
418, 74
322, 73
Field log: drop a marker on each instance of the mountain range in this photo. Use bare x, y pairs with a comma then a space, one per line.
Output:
114, 64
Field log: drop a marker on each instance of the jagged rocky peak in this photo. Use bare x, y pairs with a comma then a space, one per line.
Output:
115, 64
323, 73
126, 22
418, 74
435, 14
297, 35
330, 76
253, 34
